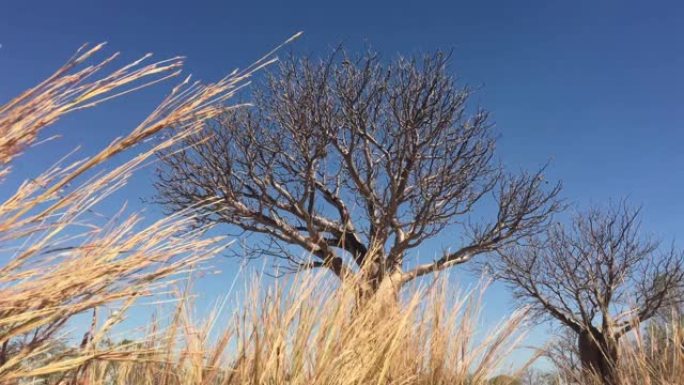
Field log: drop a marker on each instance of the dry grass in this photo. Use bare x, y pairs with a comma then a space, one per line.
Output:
59, 263
310, 334
654, 356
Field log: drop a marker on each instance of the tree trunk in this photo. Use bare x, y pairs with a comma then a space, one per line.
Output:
378, 285
599, 355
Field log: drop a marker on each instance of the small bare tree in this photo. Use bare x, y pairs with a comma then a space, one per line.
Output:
599, 277
356, 163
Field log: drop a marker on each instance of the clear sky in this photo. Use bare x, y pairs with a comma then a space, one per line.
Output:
594, 86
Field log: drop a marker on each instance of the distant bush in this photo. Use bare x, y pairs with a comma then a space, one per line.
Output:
504, 380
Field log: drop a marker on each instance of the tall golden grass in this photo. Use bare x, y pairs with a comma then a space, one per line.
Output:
58, 263
311, 333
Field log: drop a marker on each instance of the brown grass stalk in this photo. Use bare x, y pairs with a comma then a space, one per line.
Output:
61, 262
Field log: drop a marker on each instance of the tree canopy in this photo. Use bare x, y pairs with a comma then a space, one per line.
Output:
357, 163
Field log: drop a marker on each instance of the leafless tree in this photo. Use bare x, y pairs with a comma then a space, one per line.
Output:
599, 277
357, 163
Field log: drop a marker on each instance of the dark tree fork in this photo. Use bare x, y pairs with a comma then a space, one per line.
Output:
357, 163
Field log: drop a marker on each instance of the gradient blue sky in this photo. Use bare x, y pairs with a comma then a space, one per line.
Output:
594, 86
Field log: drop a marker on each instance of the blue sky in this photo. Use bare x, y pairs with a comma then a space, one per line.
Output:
594, 86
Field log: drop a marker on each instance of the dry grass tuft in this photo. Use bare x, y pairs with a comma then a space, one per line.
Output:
310, 333
59, 262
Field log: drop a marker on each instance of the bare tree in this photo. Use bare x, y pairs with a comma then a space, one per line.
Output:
599, 277
357, 163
